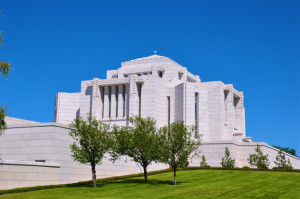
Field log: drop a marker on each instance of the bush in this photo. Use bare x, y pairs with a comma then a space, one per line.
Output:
246, 167
203, 163
258, 159
227, 162
282, 163
207, 167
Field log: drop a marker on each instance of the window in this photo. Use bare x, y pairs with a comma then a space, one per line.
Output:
40, 160
123, 96
196, 114
125, 75
235, 101
109, 101
169, 110
102, 99
117, 100
180, 75
139, 89
160, 73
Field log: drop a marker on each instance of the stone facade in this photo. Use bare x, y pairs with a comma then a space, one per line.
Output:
157, 86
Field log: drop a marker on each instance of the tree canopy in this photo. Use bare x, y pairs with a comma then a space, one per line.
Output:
178, 145
140, 142
91, 141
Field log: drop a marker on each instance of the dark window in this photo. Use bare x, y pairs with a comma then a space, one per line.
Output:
40, 160
160, 73
139, 89
180, 75
117, 100
196, 114
102, 99
109, 101
123, 95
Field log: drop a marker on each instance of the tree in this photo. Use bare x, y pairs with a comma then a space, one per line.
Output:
203, 162
4, 68
91, 141
227, 161
287, 150
281, 161
141, 142
178, 145
258, 159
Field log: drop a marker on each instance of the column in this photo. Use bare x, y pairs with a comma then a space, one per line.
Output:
113, 102
127, 101
120, 101
106, 102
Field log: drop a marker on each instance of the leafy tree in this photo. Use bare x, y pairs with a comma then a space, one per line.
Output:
227, 161
287, 150
91, 141
178, 145
4, 68
258, 159
141, 142
281, 161
203, 162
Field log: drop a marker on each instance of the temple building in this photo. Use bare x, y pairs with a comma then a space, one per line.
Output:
34, 153
158, 87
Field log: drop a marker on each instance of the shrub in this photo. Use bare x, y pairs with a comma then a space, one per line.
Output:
258, 159
227, 162
203, 163
281, 162
246, 167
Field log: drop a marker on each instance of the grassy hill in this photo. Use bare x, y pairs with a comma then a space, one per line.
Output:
191, 184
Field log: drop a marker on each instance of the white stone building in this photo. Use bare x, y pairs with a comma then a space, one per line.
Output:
157, 86
35, 153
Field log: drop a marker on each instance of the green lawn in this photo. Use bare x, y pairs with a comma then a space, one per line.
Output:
191, 184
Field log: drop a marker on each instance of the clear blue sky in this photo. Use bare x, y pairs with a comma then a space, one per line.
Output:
253, 45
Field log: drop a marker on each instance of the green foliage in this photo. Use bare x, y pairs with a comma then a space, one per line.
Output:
282, 163
178, 145
203, 162
287, 150
258, 159
91, 141
2, 116
246, 167
227, 161
4, 68
141, 142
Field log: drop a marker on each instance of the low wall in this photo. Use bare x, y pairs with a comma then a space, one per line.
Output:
214, 151
14, 174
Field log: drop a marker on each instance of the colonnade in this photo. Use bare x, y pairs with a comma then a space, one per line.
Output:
115, 101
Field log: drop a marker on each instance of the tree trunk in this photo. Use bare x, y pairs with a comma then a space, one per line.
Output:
145, 174
174, 176
94, 175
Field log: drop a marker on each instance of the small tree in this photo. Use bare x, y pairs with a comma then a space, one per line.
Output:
91, 141
281, 162
4, 68
203, 162
227, 161
178, 145
258, 159
141, 142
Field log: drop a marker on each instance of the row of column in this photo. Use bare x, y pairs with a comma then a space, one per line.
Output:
115, 101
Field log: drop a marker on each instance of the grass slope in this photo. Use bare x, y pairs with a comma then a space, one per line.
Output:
191, 184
